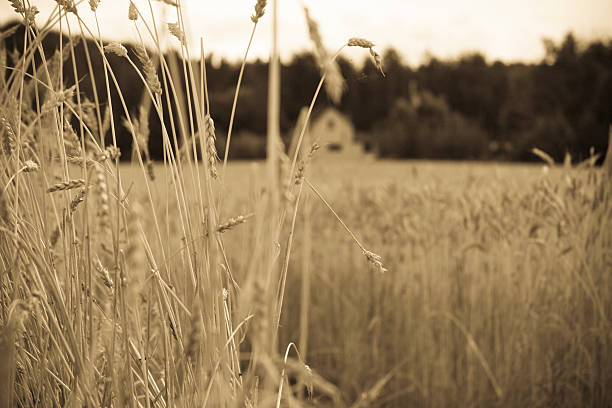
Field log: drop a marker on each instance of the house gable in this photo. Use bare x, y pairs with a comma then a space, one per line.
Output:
335, 133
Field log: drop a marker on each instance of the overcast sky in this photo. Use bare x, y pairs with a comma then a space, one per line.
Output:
510, 30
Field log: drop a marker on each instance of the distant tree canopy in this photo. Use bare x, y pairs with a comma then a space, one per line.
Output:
461, 108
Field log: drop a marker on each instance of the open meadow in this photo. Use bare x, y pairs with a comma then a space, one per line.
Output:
292, 282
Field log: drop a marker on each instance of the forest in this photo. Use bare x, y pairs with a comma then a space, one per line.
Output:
463, 108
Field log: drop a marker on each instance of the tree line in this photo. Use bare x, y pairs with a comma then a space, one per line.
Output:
463, 108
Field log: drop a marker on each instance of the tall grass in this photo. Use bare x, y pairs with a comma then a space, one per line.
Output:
114, 297
495, 296
153, 286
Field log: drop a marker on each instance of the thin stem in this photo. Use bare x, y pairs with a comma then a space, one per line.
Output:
281, 288
231, 123
280, 387
273, 108
13, 178
316, 191
273, 201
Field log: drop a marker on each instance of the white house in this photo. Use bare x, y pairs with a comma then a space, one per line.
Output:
333, 131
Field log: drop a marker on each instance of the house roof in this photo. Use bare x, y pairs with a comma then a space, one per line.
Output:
317, 112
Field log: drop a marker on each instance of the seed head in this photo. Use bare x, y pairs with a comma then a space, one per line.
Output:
30, 14
232, 222
104, 274
78, 161
259, 10
30, 166
66, 185
78, 199
4, 209
9, 137
17, 6
149, 70
360, 42
71, 140
112, 152
363, 43
301, 170
211, 149
309, 380
315, 37
150, 170
377, 60
176, 31
375, 260
102, 201
116, 48
132, 12
63, 96
334, 82
67, 5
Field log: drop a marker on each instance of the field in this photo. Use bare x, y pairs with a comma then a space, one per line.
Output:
295, 282
497, 293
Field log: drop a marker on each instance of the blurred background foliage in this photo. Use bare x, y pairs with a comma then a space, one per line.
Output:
465, 108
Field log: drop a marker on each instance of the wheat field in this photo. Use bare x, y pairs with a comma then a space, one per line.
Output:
291, 282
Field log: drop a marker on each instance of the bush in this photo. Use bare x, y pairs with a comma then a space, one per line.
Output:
248, 145
426, 127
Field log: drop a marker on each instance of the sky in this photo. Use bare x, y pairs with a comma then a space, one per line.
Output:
509, 30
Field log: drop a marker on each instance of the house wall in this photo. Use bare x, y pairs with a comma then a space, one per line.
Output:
336, 135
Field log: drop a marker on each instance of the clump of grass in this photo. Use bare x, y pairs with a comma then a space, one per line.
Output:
140, 300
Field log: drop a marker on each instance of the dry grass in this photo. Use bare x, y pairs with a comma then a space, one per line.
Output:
118, 288
494, 296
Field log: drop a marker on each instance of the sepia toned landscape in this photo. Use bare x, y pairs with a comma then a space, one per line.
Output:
180, 233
